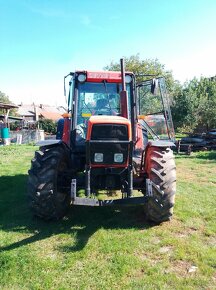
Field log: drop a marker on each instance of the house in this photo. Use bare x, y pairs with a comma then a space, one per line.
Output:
32, 113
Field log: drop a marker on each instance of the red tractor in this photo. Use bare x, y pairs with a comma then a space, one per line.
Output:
117, 136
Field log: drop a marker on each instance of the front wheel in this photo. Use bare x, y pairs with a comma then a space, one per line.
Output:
49, 182
161, 170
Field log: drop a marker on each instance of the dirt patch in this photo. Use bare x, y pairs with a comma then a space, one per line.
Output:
174, 224
186, 233
155, 241
182, 268
165, 250
211, 241
151, 258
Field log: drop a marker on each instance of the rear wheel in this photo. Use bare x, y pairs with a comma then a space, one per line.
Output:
49, 182
162, 172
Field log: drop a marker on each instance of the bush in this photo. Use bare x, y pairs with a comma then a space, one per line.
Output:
49, 126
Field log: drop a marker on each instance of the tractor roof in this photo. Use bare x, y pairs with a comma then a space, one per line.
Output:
109, 76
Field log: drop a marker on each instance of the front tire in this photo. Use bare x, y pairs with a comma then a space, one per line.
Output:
49, 182
162, 172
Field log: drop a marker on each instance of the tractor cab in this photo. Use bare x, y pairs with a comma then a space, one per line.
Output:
96, 94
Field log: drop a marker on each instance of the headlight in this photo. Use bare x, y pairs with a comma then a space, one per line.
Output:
81, 78
98, 157
118, 157
128, 79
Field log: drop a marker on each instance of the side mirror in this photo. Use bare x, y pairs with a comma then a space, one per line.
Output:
154, 87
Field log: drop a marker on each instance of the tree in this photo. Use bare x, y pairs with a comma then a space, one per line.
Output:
203, 96
146, 67
5, 99
194, 107
139, 67
182, 111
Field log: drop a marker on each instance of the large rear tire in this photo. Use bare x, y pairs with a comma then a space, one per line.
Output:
49, 183
162, 172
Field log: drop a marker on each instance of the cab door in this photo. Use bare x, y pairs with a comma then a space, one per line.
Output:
154, 110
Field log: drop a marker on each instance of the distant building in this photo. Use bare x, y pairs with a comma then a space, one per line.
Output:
32, 113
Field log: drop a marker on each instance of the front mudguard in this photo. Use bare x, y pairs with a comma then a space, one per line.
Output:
160, 143
156, 143
48, 142
53, 143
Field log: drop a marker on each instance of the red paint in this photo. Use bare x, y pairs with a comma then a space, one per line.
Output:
66, 131
139, 145
110, 77
99, 76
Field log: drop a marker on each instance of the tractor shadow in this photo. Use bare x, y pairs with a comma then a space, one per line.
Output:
81, 222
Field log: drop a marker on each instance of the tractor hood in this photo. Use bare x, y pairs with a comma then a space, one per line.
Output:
108, 120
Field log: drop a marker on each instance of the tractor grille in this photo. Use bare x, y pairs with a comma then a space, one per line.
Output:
109, 139
109, 132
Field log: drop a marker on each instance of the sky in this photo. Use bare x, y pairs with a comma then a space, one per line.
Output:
41, 41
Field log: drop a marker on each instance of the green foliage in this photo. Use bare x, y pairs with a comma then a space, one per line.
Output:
49, 126
204, 93
146, 67
139, 67
14, 125
194, 107
4, 98
182, 111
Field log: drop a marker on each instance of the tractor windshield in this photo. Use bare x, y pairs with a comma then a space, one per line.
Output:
98, 99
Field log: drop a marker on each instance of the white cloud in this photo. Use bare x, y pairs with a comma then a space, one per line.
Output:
200, 63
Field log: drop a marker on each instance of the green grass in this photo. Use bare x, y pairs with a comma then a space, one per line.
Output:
109, 248
178, 136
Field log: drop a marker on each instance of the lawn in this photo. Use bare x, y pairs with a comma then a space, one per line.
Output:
109, 248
